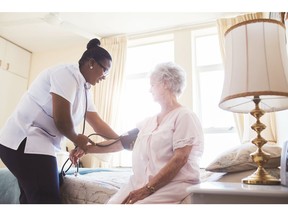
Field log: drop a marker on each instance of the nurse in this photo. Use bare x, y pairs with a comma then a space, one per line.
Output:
55, 104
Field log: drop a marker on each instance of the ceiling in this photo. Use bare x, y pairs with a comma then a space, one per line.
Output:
40, 32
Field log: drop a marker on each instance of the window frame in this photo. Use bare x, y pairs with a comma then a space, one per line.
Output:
197, 105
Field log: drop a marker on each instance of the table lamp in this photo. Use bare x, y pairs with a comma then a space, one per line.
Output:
256, 80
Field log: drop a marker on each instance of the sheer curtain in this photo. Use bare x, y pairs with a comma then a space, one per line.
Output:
108, 93
244, 121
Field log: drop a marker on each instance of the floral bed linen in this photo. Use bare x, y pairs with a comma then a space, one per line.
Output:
93, 188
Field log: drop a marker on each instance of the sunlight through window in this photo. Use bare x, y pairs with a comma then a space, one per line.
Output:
138, 103
219, 127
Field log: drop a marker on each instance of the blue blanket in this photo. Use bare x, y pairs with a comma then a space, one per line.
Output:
9, 190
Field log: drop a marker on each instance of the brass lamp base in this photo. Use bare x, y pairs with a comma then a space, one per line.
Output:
261, 177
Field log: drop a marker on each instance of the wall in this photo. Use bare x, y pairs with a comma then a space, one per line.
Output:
43, 60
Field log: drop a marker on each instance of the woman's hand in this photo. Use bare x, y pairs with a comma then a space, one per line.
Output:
136, 195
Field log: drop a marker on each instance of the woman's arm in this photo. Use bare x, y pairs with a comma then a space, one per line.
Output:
106, 147
164, 176
170, 170
76, 154
100, 127
63, 121
103, 128
125, 141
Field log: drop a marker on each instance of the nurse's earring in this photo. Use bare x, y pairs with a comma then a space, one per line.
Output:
91, 67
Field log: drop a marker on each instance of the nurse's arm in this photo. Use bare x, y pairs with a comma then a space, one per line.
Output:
63, 121
99, 126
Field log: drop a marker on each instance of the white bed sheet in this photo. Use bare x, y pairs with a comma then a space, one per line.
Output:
98, 187
93, 188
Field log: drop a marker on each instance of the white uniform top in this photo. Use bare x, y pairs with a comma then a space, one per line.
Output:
33, 117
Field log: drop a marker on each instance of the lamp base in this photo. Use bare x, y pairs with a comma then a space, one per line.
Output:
261, 177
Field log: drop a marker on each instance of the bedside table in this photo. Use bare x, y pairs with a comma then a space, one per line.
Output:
237, 193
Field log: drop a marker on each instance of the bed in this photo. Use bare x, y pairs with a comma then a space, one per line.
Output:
97, 185
231, 166
93, 186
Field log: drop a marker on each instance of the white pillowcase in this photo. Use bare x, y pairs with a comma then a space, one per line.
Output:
239, 159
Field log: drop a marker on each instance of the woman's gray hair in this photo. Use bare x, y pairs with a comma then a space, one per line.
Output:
171, 74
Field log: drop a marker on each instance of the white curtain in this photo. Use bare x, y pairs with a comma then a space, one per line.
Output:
108, 94
244, 121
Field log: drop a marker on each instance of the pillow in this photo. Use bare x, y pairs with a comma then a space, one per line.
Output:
239, 159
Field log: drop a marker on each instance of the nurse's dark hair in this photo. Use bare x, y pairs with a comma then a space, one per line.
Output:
95, 52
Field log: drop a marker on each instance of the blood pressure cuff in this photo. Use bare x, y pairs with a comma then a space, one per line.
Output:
128, 139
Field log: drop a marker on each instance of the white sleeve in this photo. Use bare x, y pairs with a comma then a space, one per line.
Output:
64, 84
188, 131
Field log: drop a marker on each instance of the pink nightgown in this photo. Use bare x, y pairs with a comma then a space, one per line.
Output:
154, 148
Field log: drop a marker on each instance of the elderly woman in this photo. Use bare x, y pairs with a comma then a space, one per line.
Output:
168, 148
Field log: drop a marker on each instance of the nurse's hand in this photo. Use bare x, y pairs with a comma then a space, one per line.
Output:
76, 154
81, 141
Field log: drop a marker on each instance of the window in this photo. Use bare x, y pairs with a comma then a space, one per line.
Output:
137, 103
219, 127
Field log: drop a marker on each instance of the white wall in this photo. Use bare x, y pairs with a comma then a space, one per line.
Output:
43, 60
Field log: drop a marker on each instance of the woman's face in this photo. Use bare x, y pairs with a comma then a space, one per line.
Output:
99, 70
157, 89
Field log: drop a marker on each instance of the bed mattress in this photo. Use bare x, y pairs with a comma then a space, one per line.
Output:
98, 186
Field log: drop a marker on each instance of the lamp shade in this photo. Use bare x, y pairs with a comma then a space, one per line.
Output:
256, 64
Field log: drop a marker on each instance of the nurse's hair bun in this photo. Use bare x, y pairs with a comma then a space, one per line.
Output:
93, 43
